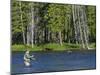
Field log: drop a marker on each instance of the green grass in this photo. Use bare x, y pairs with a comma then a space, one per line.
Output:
23, 48
53, 46
58, 47
92, 45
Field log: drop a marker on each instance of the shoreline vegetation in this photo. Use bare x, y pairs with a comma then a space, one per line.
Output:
43, 27
51, 47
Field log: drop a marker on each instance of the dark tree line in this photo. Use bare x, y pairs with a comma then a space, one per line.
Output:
35, 23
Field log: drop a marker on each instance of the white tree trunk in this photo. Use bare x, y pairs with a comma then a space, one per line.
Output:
85, 27
28, 43
32, 24
80, 26
73, 11
23, 33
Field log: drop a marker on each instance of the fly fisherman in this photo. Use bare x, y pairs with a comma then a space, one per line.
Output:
28, 58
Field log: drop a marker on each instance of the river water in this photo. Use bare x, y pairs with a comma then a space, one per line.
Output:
54, 61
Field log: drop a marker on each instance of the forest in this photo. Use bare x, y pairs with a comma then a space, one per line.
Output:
39, 26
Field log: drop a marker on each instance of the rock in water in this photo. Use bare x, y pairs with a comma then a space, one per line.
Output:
69, 51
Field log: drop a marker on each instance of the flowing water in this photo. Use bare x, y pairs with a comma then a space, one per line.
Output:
54, 61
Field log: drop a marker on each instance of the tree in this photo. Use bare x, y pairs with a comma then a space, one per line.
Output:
35, 23
23, 33
32, 24
91, 16
56, 19
80, 24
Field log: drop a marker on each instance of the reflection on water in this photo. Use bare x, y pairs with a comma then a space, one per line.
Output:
54, 61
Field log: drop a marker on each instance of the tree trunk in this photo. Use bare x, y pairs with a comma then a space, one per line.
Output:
69, 28
23, 33
85, 27
48, 35
28, 36
73, 11
60, 38
80, 28
32, 24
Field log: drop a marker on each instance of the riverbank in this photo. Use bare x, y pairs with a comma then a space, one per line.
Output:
50, 47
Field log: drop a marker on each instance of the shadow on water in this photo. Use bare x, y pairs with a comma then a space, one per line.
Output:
54, 61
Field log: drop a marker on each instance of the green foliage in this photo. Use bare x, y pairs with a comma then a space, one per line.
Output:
24, 48
49, 20
91, 15
92, 45
56, 15
58, 47
53, 46
18, 48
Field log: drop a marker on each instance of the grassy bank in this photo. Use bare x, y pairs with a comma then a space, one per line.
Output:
51, 46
